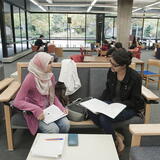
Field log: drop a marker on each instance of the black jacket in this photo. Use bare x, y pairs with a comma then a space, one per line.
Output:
130, 94
39, 42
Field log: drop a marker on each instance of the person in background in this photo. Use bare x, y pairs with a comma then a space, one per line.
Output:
134, 43
157, 51
39, 42
117, 46
105, 47
37, 92
120, 88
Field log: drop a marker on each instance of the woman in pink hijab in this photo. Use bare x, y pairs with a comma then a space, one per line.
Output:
37, 92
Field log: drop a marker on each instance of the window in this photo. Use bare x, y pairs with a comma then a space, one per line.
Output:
108, 27
149, 30
1, 55
8, 26
136, 27
58, 29
23, 30
17, 29
39, 25
90, 29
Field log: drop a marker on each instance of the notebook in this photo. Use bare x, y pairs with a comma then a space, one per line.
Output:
49, 145
52, 113
98, 106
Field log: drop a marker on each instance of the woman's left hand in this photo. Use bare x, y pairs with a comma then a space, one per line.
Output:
65, 111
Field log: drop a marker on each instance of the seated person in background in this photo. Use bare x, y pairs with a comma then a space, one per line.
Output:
39, 42
117, 46
120, 87
134, 43
105, 47
157, 51
37, 92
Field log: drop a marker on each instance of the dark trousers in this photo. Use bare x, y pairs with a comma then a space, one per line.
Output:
106, 122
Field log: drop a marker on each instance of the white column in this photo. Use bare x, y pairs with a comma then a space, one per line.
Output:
124, 14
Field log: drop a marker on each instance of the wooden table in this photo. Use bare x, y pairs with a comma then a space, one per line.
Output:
139, 62
91, 147
95, 59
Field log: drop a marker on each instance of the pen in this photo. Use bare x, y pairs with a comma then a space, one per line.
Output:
54, 139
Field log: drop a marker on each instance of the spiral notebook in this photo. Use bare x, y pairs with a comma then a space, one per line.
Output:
49, 145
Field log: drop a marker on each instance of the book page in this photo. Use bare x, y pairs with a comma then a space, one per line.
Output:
113, 109
49, 145
98, 106
52, 113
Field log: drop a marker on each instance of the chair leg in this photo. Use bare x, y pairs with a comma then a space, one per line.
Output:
8, 127
147, 80
158, 83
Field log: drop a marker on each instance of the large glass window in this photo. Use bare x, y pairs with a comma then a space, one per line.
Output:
8, 27
23, 30
149, 31
136, 27
39, 25
58, 29
108, 27
76, 30
1, 55
17, 29
158, 31
90, 29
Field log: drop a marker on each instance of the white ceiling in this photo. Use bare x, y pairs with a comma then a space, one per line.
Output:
101, 6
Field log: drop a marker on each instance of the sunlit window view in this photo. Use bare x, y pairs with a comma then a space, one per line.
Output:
0, 46
90, 29
8, 28
108, 29
39, 25
158, 30
136, 27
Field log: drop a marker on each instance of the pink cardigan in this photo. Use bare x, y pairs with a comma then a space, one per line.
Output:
28, 98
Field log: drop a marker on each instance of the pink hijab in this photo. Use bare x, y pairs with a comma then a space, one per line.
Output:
38, 66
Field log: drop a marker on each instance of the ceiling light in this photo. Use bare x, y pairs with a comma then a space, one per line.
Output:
92, 4
49, 1
37, 4
153, 4
136, 10
90, 7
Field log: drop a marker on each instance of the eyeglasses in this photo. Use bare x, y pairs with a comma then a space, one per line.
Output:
114, 65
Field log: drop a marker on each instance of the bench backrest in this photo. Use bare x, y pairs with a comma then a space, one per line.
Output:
92, 76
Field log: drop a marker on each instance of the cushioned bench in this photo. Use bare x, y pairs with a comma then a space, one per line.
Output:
92, 76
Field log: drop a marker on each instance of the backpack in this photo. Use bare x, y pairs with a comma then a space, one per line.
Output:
76, 112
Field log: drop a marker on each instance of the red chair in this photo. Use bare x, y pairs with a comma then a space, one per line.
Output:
136, 52
84, 52
51, 48
77, 58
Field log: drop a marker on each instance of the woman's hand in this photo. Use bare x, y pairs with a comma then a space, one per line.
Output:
40, 117
65, 111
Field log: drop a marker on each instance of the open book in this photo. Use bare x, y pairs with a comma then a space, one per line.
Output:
98, 106
49, 145
52, 113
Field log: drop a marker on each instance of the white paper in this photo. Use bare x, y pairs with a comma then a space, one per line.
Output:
52, 113
48, 148
98, 106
